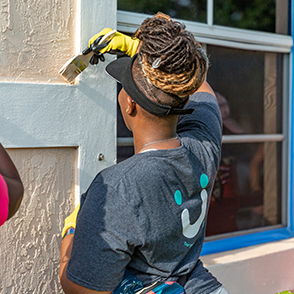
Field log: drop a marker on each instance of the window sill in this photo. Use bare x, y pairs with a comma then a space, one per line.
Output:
248, 252
264, 268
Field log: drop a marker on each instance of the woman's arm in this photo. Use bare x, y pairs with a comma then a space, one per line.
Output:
13, 181
205, 87
67, 285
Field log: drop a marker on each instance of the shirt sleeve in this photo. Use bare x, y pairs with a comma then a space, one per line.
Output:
4, 201
205, 121
103, 242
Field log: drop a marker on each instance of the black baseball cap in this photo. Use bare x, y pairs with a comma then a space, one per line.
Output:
121, 71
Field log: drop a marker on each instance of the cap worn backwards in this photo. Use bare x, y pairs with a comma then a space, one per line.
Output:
121, 71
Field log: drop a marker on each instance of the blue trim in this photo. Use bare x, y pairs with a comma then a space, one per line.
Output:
277, 234
246, 240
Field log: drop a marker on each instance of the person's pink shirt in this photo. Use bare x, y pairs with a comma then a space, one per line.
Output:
4, 201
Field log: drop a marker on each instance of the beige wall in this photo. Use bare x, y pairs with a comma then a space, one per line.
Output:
30, 241
38, 113
35, 39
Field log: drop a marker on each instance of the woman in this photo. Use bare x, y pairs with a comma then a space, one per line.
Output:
147, 214
11, 188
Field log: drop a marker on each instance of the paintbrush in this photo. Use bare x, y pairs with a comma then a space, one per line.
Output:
79, 62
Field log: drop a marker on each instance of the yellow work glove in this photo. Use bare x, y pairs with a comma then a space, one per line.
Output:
119, 44
70, 221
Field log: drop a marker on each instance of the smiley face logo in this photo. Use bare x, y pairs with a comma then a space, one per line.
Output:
191, 230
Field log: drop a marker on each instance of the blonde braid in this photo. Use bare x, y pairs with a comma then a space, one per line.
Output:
182, 84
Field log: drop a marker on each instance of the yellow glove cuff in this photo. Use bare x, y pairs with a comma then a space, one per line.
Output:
132, 47
71, 220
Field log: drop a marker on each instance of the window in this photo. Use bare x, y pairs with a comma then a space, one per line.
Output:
250, 73
251, 14
183, 9
247, 192
267, 16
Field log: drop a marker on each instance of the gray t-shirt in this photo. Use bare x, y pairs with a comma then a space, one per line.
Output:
147, 213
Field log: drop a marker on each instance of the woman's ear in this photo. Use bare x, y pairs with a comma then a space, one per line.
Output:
131, 105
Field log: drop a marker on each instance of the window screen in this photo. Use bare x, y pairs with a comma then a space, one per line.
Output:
247, 192
183, 9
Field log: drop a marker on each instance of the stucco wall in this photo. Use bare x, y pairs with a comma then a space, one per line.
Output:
39, 112
30, 241
35, 39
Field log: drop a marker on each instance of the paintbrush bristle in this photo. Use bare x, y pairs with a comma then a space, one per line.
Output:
79, 62
75, 66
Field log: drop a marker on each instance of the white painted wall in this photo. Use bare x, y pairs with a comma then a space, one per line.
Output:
39, 110
84, 115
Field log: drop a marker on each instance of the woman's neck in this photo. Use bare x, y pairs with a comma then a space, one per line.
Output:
154, 132
169, 143
159, 139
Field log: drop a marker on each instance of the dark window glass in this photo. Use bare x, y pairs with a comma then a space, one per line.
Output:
247, 191
123, 152
268, 16
248, 85
194, 10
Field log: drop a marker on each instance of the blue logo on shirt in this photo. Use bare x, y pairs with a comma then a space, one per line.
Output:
191, 230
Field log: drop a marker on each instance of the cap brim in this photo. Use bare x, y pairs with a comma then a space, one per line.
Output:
121, 71
116, 68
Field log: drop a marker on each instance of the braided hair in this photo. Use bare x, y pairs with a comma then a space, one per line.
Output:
170, 58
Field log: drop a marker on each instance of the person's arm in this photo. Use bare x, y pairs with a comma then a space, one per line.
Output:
67, 285
88, 258
205, 87
13, 181
205, 121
